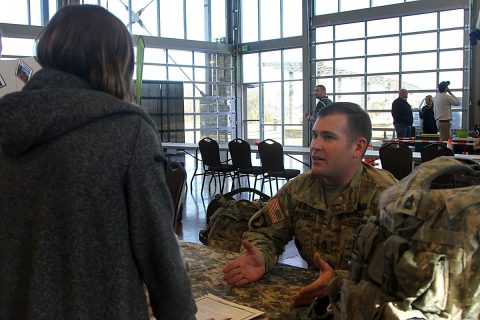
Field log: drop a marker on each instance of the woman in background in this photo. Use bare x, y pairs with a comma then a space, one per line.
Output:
86, 216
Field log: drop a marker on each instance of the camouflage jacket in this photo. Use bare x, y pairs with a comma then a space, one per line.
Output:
299, 211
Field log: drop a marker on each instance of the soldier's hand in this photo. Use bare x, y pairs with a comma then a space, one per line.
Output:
247, 268
319, 288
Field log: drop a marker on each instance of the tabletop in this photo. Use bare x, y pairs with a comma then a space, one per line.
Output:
271, 294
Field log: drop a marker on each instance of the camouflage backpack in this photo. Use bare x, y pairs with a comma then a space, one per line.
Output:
227, 219
421, 259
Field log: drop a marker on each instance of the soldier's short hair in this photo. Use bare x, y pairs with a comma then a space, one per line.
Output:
358, 120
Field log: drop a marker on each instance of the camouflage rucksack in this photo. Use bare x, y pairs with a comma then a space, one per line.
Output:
421, 260
227, 219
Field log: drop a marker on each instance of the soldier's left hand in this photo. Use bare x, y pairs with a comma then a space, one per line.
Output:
319, 288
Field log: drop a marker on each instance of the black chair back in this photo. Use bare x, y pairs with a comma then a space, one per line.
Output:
241, 153
176, 177
210, 152
271, 156
397, 159
435, 150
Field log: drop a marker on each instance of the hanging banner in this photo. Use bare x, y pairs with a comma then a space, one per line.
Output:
139, 66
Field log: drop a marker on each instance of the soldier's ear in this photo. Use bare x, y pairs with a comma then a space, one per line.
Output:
359, 146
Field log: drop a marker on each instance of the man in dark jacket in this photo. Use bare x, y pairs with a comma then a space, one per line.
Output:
402, 115
323, 101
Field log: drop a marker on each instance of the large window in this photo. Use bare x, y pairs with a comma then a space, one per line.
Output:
368, 62
273, 90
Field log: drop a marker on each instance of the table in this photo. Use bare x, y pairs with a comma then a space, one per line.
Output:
271, 294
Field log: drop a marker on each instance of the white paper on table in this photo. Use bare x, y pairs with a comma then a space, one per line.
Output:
213, 307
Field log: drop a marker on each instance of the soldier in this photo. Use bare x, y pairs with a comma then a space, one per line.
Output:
321, 209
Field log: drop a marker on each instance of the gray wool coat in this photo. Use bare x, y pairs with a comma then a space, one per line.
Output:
85, 213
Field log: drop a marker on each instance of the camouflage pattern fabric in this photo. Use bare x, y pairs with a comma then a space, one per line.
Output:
271, 294
422, 260
227, 225
299, 211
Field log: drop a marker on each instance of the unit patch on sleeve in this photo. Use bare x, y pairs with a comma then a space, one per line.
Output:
274, 211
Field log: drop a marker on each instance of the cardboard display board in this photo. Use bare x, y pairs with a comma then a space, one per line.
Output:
14, 74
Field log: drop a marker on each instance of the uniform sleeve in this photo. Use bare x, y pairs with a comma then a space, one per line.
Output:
270, 229
150, 217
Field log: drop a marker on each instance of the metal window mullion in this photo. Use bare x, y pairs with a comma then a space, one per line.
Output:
185, 19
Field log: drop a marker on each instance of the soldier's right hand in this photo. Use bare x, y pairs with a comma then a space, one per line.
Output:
246, 268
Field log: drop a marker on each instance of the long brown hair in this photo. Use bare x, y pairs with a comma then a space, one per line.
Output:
91, 43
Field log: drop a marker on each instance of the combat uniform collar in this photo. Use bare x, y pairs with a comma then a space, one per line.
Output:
347, 202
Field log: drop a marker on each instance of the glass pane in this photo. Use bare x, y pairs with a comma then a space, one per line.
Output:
324, 68
219, 29
292, 64
199, 91
154, 72
350, 48
17, 7
382, 83
381, 101
383, 27
146, 13
324, 51
381, 119
350, 66
451, 59
421, 61
272, 103
271, 66
189, 123
383, 64
250, 67
119, 10
325, 6
179, 73
249, 27
292, 18
35, 13
383, 45
199, 58
293, 102
293, 135
419, 22
455, 78
273, 132
253, 103
452, 19
355, 98
419, 81
188, 91
195, 20
324, 34
350, 31
347, 5
179, 57
253, 130
451, 39
269, 19
350, 84
200, 74
377, 3
419, 42
171, 19
18, 47
154, 55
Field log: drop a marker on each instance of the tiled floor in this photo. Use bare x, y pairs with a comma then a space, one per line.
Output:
195, 208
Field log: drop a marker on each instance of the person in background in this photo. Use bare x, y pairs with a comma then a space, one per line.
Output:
402, 115
319, 209
426, 114
86, 213
323, 101
442, 108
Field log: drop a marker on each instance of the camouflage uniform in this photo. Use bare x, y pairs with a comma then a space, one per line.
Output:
299, 211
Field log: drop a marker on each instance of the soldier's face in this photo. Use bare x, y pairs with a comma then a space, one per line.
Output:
335, 157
